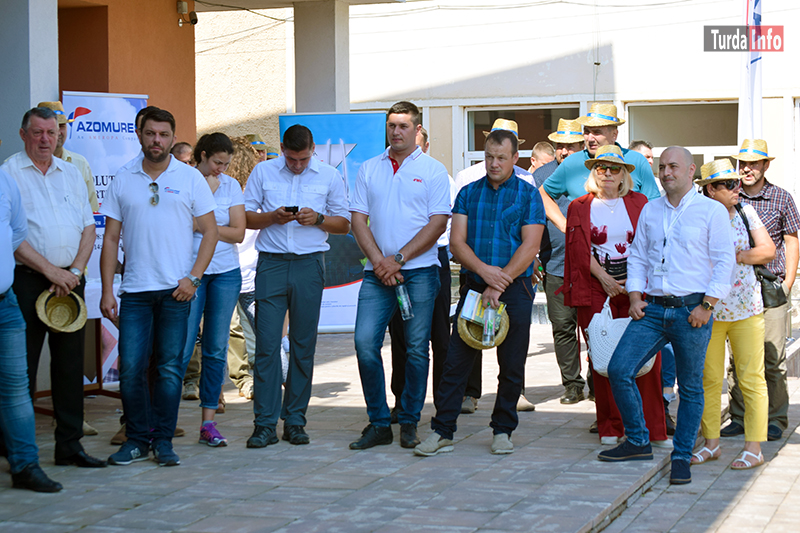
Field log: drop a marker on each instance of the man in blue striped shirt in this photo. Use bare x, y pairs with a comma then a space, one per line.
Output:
496, 231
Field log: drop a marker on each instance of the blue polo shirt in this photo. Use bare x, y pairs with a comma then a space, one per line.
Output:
570, 177
495, 218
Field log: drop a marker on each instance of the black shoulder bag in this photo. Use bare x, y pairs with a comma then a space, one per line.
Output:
771, 288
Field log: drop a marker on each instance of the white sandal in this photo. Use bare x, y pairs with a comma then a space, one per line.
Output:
701, 459
759, 460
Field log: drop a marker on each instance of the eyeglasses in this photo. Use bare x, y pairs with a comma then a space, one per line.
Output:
602, 169
154, 189
731, 185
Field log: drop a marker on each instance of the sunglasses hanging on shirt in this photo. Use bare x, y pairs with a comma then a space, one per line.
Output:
154, 189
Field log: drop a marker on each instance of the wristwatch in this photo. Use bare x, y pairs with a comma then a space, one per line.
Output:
707, 306
77, 272
320, 219
398, 258
195, 281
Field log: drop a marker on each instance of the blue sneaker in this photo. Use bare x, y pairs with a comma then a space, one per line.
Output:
164, 455
127, 454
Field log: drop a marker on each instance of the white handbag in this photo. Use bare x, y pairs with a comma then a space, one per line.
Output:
604, 333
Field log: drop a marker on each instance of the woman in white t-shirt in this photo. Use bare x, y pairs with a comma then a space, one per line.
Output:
218, 292
739, 317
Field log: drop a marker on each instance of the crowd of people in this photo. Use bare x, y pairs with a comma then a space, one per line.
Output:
238, 290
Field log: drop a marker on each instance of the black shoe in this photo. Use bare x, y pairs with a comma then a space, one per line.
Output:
593, 428
572, 395
774, 432
394, 413
295, 435
408, 435
373, 436
262, 437
82, 460
668, 418
32, 477
627, 452
680, 474
734, 429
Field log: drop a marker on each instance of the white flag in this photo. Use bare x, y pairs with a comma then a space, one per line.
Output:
750, 86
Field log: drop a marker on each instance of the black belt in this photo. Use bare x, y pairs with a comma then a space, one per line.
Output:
672, 302
289, 257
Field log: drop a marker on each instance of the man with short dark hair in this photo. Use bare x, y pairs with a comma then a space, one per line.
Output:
400, 207
295, 201
53, 257
155, 295
498, 253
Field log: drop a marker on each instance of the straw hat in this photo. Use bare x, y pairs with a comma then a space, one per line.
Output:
601, 115
472, 333
58, 109
568, 132
272, 152
718, 170
753, 150
257, 141
609, 153
62, 314
503, 124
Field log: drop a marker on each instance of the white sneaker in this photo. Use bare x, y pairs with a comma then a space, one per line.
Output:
433, 445
609, 440
501, 444
661, 443
524, 405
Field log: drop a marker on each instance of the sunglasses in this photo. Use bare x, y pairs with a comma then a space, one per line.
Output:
154, 189
602, 169
731, 185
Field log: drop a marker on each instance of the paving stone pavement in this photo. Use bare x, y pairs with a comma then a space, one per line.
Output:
552, 482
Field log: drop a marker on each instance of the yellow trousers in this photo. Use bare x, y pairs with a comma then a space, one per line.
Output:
747, 346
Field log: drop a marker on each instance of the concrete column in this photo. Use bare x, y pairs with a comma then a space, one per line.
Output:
29, 41
322, 56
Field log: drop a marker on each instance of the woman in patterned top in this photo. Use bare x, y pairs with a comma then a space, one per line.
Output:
739, 317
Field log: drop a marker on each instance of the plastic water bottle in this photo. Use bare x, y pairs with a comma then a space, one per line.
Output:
404, 302
488, 326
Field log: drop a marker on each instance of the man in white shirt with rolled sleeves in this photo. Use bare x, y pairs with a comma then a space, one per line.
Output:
294, 200
682, 258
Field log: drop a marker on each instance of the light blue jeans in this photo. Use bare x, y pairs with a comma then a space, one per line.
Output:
641, 341
16, 409
214, 301
376, 305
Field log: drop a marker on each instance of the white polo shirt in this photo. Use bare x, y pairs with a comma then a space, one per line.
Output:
158, 238
399, 204
227, 195
56, 204
272, 185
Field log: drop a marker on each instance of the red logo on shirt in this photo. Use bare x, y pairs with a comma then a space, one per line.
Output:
417, 180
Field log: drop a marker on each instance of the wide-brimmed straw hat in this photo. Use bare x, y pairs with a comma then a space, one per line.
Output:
753, 150
717, 170
503, 124
58, 109
609, 153
62, 314
272, 152
472, 333
568, 132
600, 115
257, 141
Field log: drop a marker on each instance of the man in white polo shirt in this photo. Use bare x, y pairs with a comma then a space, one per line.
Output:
295, 201
155, 202
400, 207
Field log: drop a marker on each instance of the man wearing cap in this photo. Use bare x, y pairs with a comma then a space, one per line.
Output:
599, 129
469, 175
290, 276
497, 227
53, 258
682, 259
71, 157
400, 206
777, 209
568, 139
257, 142
17, 424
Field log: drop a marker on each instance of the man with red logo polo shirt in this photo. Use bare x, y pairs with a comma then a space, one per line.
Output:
400, 207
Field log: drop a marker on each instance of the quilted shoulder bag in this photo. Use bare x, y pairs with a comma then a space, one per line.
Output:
604, 333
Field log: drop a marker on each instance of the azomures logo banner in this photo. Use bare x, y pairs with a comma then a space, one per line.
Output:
94, 126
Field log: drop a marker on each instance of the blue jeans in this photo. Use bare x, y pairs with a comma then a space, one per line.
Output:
16, 409
667, 366
376, 305
214, 301
641, 341
151, 319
